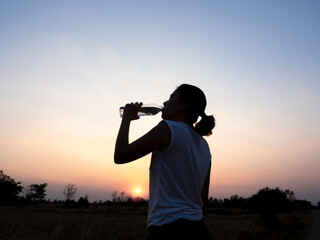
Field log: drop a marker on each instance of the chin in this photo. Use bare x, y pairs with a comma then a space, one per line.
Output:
164, 116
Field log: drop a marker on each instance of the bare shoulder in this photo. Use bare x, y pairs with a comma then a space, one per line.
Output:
163, 133
163, 126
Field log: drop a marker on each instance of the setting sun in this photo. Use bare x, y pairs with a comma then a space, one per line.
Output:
138, 191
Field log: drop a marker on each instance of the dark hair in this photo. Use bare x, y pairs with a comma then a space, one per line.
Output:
197, 103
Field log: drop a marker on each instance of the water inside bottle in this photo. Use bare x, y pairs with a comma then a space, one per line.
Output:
146, 110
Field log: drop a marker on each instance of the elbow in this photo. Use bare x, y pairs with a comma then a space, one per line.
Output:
118, 162
118, 159
122, 157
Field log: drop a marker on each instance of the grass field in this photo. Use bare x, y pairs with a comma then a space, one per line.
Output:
129, 223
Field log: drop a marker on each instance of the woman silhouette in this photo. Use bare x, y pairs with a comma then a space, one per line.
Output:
180, 164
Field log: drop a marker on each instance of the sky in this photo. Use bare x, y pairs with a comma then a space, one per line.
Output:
67, 66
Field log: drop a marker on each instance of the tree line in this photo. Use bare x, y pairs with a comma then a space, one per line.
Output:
266, 199
12, 194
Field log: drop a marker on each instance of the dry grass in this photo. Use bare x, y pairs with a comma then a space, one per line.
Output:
43, 223
123, 223
285, 226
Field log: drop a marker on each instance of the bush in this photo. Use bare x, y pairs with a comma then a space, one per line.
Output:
270, 200
83, 202
9, 190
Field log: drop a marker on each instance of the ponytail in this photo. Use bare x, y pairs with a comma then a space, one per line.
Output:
196, 105
205, 125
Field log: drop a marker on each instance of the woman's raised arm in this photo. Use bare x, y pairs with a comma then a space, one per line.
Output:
157, 138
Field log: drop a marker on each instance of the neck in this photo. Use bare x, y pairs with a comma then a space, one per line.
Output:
189, 124
184, 119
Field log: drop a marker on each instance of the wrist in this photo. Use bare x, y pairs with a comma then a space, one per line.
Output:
125, 123
126, 119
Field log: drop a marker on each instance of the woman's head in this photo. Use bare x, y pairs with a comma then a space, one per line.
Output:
192, 101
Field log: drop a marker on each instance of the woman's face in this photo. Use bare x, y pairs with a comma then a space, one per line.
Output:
172, 107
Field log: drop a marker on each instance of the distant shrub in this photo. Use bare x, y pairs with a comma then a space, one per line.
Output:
302, 205
70, 204
270, 200
9, 190
83, 202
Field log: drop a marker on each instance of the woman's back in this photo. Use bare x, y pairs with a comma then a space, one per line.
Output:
177, 176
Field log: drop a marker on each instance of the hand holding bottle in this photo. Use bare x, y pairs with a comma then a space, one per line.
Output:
130, 111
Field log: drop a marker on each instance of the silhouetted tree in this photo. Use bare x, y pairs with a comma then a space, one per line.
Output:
237, 202
214, 203
122, 198
83, 202
290, 195
9, 190
226, 202
70, 191
271, 200
37, 192
114, 196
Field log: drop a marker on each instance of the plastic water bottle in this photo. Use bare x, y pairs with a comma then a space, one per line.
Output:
146, 110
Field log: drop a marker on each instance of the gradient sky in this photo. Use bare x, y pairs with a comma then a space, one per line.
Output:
67, 66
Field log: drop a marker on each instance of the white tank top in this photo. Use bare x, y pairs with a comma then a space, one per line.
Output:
177, 176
